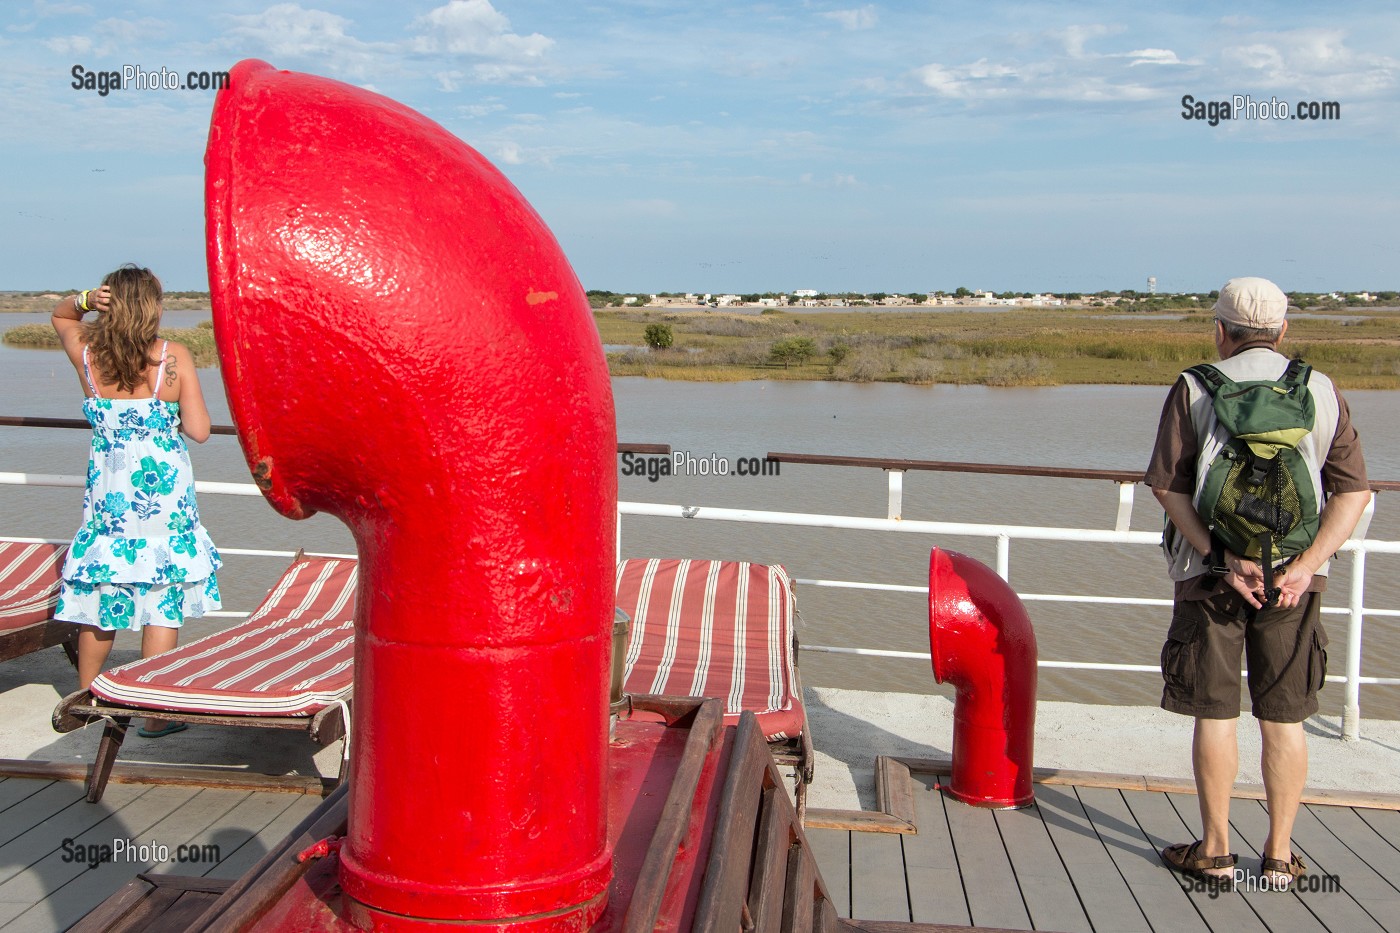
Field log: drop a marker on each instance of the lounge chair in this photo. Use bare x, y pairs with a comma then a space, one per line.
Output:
720, 629
287, 666
29, 576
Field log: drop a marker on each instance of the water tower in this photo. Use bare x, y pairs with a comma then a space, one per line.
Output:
1152, 284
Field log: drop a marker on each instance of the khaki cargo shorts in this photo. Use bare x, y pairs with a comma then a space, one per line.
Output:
1286, 651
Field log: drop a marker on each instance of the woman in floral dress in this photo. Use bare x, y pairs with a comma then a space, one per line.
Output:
141, 560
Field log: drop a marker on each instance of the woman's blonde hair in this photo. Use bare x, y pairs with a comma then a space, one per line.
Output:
119, 340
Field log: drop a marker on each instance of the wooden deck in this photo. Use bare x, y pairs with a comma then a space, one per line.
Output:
1085, 859
45, 887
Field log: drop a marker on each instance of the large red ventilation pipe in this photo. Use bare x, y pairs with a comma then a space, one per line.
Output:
405, 346
983, 644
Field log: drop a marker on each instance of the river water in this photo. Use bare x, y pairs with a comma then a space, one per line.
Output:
1090, 427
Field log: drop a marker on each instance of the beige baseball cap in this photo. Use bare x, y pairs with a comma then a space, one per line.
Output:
1251, 302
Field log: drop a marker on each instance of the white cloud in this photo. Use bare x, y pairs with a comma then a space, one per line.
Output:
69, 45
483, 109
287, 31
474, 29
979, 79
1076, 37
1153, 57
1054, 65
1315, 61
864, 17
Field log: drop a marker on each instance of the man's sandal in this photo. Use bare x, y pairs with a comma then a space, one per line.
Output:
1281, 874
1182, 858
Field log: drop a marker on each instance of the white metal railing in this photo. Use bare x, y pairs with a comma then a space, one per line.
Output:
1355, 610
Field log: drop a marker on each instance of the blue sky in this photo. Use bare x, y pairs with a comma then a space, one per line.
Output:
749, 146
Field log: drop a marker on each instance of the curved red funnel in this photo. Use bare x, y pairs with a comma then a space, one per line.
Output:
983, 644
405, 346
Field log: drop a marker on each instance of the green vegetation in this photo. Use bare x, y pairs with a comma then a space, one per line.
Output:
1015, 347
791, 350
1359, 347
44, 301
199, 339
659, 336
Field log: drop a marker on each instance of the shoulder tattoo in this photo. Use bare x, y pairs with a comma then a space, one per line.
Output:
170, 369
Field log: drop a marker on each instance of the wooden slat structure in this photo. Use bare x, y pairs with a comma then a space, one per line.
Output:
53, 869
1085, 858
724, 801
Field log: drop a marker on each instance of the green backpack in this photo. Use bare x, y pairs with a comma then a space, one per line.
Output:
1258, 499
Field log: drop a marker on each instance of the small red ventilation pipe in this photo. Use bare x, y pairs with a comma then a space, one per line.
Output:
983, 644
405, 346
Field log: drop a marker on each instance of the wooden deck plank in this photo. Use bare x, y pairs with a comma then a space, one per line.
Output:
1045, 885
935, 886
1164, 826
49, 800
832, 850
238, 861
1281, 913
16, 790
993, 900
46, 885
1363, 890
1163, 903
1348, 824
9, 912
1386, 823
56, 813
879, 887
167, 817
244, 822
1103, 893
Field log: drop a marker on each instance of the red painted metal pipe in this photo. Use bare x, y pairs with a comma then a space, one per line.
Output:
405, 346
983, 644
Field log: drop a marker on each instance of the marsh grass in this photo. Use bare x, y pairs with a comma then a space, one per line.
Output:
200, 339
1030, 347
1022, 347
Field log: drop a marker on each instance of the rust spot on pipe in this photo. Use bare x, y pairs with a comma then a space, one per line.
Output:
262, 474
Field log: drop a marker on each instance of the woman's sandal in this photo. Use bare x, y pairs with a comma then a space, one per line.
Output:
1183, 858
1280, 874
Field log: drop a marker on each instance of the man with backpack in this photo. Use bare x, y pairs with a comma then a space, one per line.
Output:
1261, 475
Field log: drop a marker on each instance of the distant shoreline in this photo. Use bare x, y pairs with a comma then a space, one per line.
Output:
1005, 346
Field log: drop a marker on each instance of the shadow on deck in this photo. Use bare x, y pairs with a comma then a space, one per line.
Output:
1085, 858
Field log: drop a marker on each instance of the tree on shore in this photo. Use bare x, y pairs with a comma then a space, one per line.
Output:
659, 336
792, 350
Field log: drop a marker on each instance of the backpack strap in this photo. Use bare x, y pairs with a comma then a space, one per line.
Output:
1297, 374
1213, 379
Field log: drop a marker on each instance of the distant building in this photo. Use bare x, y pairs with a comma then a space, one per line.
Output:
804, 293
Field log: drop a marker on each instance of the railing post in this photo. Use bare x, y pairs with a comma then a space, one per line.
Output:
1004, 557
1125, 507
1351, 710
896, 494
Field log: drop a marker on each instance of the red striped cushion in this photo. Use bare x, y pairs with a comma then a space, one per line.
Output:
29, 575
713, 628
293, 656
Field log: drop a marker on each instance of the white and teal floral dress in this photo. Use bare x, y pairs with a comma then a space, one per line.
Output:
141, 556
